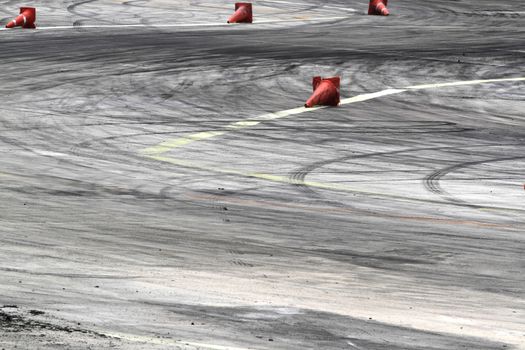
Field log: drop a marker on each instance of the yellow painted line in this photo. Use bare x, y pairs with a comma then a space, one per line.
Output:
322, 185
250, 122
269, 116
193, 165
6, 175
156, 152
171, 144
314, 184
200, 136
264, 176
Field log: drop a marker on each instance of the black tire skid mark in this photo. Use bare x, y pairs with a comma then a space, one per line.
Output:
78, 23
432, 181
298, 176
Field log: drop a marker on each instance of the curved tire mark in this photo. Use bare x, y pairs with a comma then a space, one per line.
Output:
432, 181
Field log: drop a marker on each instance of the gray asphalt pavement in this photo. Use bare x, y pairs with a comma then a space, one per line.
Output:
158, 193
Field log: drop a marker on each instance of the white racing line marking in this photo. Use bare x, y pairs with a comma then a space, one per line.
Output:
187, 25
461, 83
303, 4
171, 144
157, 152
489, 12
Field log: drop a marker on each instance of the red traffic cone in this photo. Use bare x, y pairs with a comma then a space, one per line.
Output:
26, 18
378, 8
326, 92
243, 13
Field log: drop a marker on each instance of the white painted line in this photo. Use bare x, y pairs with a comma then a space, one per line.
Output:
50, 153
183, 25
461, 83
289, 112
504, 12
167, 146
310, 5
156, 152
371, 96
171, 144
138, 25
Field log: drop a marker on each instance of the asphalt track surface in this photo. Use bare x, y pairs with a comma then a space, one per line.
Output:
155, 196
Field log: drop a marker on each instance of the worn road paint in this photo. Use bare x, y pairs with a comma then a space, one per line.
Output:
156, 152
172, 144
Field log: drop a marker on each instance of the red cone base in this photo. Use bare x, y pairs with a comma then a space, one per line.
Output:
26, 18
326, 92
243, 13
378, 8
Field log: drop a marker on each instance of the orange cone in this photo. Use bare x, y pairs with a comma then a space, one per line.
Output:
326, 92
378, 8
26, 18
243, 13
